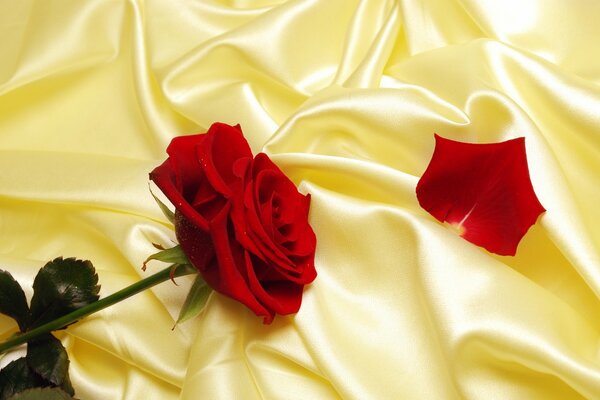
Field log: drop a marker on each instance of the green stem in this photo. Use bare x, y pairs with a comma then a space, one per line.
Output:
152, 280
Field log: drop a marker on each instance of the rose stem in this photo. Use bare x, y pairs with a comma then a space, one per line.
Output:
152, 280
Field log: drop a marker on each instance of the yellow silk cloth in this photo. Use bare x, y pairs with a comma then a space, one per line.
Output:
345, 95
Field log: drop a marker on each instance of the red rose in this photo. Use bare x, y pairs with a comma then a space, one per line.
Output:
241, 222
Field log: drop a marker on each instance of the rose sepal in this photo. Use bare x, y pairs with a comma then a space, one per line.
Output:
195, 300
163, 207
173, 255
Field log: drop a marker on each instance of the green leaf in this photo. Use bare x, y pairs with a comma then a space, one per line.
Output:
165, 210
42, 394
174, 255
48, 358
67, 386
195, 300
12, 300
16, 377
60, 287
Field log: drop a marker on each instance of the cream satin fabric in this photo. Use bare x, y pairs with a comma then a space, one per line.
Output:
345, 95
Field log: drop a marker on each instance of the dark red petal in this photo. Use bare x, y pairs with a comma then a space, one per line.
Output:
268, 250
270, 179
226, 275
303, 274
250, 228
185, 164
240, 223
302, 241
267, 217
303, 246
281, 297
223, 146
484, 190
271, 185
273, 189
165, 178
307, 264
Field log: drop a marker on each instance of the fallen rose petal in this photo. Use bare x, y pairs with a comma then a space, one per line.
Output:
482, 190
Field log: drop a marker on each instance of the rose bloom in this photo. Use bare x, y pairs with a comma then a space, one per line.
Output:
241, 222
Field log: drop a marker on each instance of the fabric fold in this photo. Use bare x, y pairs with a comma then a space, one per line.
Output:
345, 96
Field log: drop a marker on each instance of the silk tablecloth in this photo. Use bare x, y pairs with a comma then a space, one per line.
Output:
345, 95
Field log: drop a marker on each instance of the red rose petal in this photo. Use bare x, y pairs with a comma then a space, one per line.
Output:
251, 227
163, 177
184, 163
268, 217
483, 190
282, 297
225, 277
305, 243
208, 204
261, 240
225, 145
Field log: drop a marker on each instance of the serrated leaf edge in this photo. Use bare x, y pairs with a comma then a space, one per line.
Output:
22, 321
50, 341
94, 290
